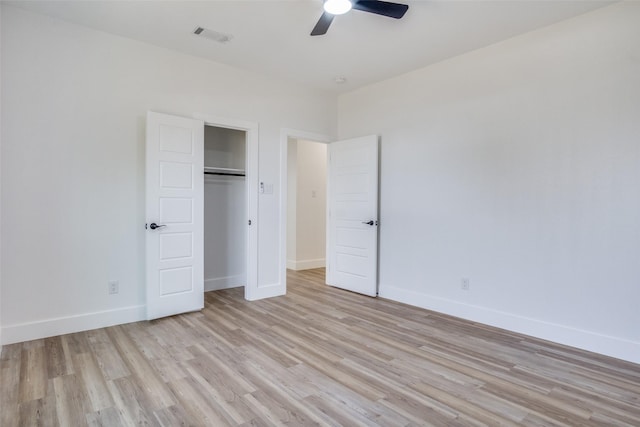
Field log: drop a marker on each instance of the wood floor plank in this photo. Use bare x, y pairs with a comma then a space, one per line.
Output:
465, 408
106, 417
173, 416
10, 387
76, 343
265, 411
58, 359
146, 342
278, 375
209, 369
132, 402
199, 406
334, 413
226, 401
98, 393
147, 377
318, 356
169, 369
38, 412
105, 352
342, 395
71, 400
33, 373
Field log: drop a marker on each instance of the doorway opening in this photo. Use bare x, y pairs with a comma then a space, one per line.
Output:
225, 208
306, 204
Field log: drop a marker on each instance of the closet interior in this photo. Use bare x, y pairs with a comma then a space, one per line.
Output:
225, 208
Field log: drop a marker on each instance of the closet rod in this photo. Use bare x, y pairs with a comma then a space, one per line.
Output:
223, 171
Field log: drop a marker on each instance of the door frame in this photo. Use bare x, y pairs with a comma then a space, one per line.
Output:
251, 184
285, 134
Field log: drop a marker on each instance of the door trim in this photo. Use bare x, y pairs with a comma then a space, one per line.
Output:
251, 182
285, 134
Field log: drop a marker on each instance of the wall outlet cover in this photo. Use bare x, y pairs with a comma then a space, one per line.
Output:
114, 287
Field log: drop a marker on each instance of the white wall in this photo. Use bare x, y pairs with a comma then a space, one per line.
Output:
517, 166
306, 210
74, 102
225, 207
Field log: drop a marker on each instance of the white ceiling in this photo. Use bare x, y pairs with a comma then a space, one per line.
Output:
272, 37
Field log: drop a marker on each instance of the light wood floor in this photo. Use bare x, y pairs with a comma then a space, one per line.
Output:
318, 356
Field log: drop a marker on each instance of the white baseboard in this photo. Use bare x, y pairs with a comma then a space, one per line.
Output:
306, 264
217, 283
67, 325
586, 340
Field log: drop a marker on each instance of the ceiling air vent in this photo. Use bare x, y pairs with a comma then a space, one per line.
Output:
212, 35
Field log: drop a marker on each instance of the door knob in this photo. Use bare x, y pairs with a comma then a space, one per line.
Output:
368, 222
153, 226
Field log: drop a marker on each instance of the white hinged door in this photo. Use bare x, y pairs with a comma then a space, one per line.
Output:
352, 223
174, 215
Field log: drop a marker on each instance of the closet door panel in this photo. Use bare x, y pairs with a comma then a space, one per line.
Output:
176, 175
175, 215
176, 210
175, 139
174, 246
176, 280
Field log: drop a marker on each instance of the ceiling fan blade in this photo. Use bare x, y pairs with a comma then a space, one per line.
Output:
323, 24
385, 8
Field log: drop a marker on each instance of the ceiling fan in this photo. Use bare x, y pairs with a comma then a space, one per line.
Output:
339, 7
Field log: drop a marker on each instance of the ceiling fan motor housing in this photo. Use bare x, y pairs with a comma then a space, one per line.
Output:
339, 7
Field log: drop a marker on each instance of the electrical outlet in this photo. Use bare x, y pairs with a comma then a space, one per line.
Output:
464, 284
114, 287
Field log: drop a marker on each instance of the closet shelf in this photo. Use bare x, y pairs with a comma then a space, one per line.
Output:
224, 171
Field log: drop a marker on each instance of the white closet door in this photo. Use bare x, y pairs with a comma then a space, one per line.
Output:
352, 226
174, 215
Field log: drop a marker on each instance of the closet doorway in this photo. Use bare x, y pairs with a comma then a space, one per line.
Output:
225, 208
176, 218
